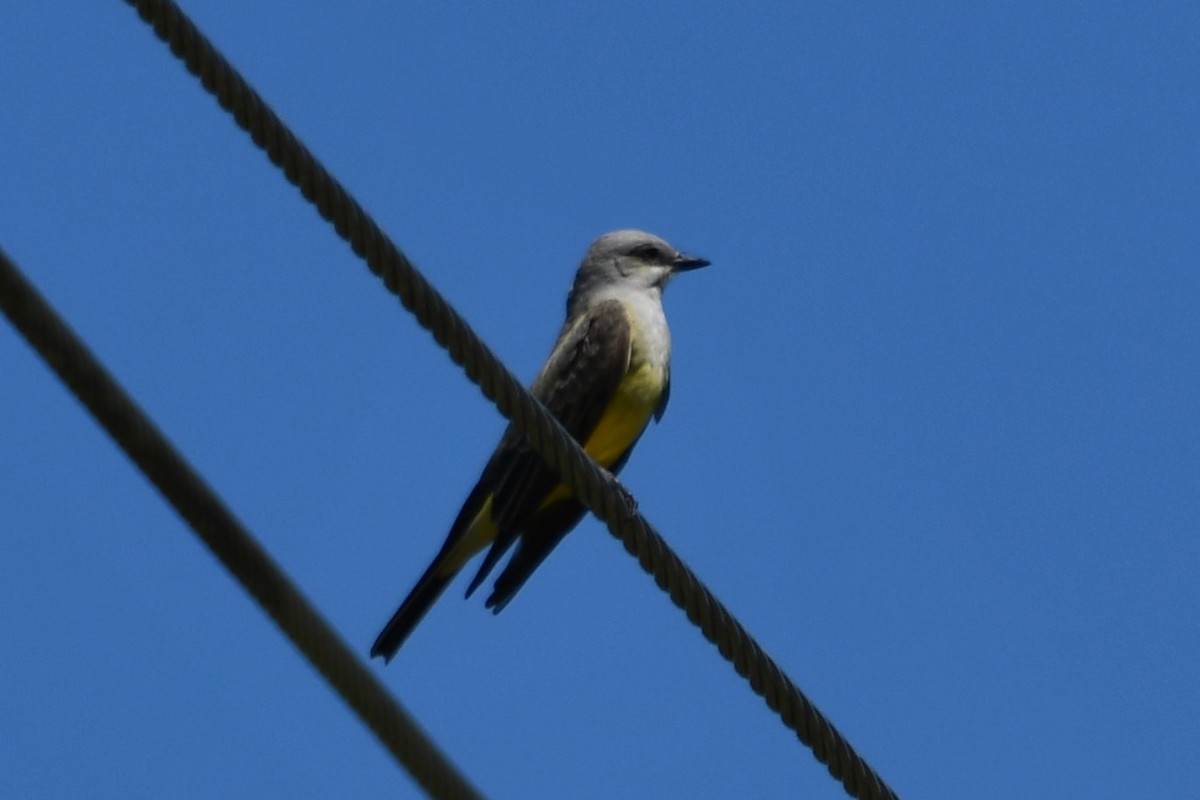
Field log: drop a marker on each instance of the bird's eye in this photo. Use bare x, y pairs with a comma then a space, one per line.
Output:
651, 253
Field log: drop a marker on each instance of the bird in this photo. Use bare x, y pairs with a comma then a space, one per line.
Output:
608, 374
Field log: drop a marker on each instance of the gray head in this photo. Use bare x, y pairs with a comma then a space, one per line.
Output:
633, 259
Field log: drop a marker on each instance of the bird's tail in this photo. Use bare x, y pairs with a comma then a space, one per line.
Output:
419, 600
473, 530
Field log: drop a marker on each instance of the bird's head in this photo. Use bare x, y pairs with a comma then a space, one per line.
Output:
629, 258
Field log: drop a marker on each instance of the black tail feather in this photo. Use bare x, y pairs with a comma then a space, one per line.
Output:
499, 548
542, 534
411, 611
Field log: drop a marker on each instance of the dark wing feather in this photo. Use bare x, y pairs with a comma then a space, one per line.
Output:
541, 535
576, 386
666, 395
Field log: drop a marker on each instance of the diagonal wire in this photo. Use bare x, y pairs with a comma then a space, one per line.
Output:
225, 536
595, 487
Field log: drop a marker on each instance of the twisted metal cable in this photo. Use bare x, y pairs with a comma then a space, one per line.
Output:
595, 487
225, 536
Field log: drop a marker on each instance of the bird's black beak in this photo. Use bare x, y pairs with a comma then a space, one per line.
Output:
683, 262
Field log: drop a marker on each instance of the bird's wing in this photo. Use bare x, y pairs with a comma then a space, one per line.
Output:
664, 397
576, 385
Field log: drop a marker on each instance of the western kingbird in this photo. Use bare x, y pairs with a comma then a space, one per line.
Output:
608, 374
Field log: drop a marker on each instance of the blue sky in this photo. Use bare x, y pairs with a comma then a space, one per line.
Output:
932, 434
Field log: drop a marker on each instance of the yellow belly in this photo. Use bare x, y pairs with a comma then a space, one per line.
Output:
619, 427
623, 421
626, 416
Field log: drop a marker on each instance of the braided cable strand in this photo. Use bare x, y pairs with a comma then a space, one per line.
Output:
595, 487
225, 536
